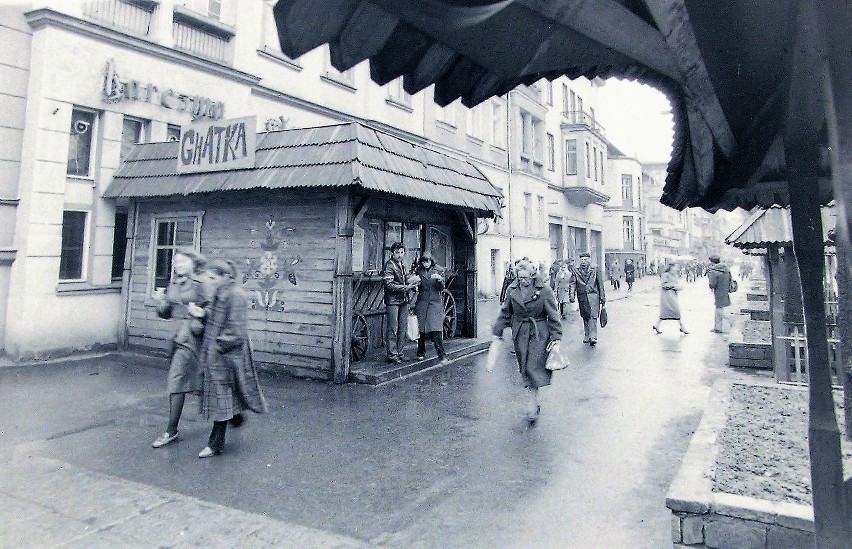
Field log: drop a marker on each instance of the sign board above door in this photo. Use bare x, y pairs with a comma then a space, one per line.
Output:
219, 145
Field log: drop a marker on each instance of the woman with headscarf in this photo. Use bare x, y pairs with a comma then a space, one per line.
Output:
669, 306
183, 293
530, 309
429, 306
229, 378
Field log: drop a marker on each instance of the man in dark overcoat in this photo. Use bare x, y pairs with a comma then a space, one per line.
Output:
587, 286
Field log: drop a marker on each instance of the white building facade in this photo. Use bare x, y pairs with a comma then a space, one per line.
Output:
81, 82
624, 221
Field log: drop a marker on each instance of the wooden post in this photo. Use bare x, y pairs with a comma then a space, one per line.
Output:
342, 287
469, 244
776, 311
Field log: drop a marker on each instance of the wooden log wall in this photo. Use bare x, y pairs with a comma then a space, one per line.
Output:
294, 334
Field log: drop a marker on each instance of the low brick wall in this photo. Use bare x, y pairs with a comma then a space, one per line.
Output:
705, 519
748, 354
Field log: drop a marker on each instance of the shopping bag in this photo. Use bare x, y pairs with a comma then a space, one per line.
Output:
603, 316
412, 330
493, 355
555, 359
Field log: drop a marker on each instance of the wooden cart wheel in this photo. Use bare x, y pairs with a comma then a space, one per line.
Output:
449, 314
360, 337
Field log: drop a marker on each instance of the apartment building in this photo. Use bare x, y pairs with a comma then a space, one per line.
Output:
82, 82
624, 220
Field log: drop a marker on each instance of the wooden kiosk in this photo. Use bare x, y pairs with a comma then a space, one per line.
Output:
309, 223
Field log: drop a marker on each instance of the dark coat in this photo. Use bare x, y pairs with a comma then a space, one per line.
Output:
589, 286
719, 279
429, 306
508, 278
229, 378
535, 323
394, 278
183, 366
630, 272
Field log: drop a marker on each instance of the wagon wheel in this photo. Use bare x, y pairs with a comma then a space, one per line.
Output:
449, 314
360, 337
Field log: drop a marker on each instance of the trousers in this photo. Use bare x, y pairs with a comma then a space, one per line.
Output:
719, 317
396, 317
437, 338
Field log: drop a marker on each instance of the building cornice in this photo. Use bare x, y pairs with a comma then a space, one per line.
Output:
45, 17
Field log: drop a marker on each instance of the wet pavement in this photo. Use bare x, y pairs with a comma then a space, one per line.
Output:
442, 459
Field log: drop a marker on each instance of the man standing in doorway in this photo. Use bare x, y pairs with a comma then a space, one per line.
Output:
588, 287
397, 288
719, 279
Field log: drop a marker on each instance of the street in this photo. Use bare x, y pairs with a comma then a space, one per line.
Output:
442, 459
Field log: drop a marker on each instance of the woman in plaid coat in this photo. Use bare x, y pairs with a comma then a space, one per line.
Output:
229, 379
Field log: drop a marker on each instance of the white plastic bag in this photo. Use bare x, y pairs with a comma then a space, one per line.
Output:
555, 359
412, 330
493, 355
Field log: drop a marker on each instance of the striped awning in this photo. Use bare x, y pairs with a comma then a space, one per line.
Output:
328, 156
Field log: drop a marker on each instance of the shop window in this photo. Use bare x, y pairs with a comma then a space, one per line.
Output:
570, 157
132, 132
71, 259
81, 144
170, 233
119, 244
173, 133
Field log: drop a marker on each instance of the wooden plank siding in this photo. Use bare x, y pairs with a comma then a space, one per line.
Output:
295, 334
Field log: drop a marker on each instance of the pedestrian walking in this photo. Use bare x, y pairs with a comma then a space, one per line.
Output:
563, 289
669, 306
530, 309
629, 273
429, 306
615, 274
588, 288
719, 280
184, 290
398, 285
229, 378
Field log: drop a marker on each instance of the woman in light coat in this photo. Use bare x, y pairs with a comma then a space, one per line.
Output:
184, 292
429, 306
669, 306
530, 309
229, 378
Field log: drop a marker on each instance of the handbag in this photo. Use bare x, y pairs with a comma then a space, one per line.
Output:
555, 359
603, 316
413, 329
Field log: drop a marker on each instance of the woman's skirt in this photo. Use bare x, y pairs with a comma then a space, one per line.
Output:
669, 307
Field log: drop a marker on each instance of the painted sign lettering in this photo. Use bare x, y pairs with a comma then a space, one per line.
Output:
116, 90
217, 146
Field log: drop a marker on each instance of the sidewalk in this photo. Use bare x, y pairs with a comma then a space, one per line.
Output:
48, 503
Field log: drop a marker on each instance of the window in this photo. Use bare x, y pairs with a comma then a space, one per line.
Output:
565, 103
579, 119
131, 133
602, 166
527, 213
627, 189
573, 105
498, 125
541, 217
119, 244
173, 133
347, 77
73, 245
474, 122
80, 145
588, 161
397, 94
214, 9
548, 88
532, 148
209, 8
628, 232
595, 160
447, 114
551, 152
170, 233
570, 157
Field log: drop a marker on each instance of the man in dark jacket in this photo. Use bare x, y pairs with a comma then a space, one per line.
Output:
397, 288
719, 280
588, 287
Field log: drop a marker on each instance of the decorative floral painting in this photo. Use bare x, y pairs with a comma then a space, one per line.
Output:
265, 273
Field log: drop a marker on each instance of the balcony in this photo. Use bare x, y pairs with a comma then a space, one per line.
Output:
582, 196
582, 120
133, 16
202, 35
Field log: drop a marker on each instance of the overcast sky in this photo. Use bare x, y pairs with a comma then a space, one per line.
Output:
637, 120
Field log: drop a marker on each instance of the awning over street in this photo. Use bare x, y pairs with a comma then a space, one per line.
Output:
329, 156
768, 226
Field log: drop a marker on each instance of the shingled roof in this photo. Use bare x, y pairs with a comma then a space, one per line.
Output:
341, 155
